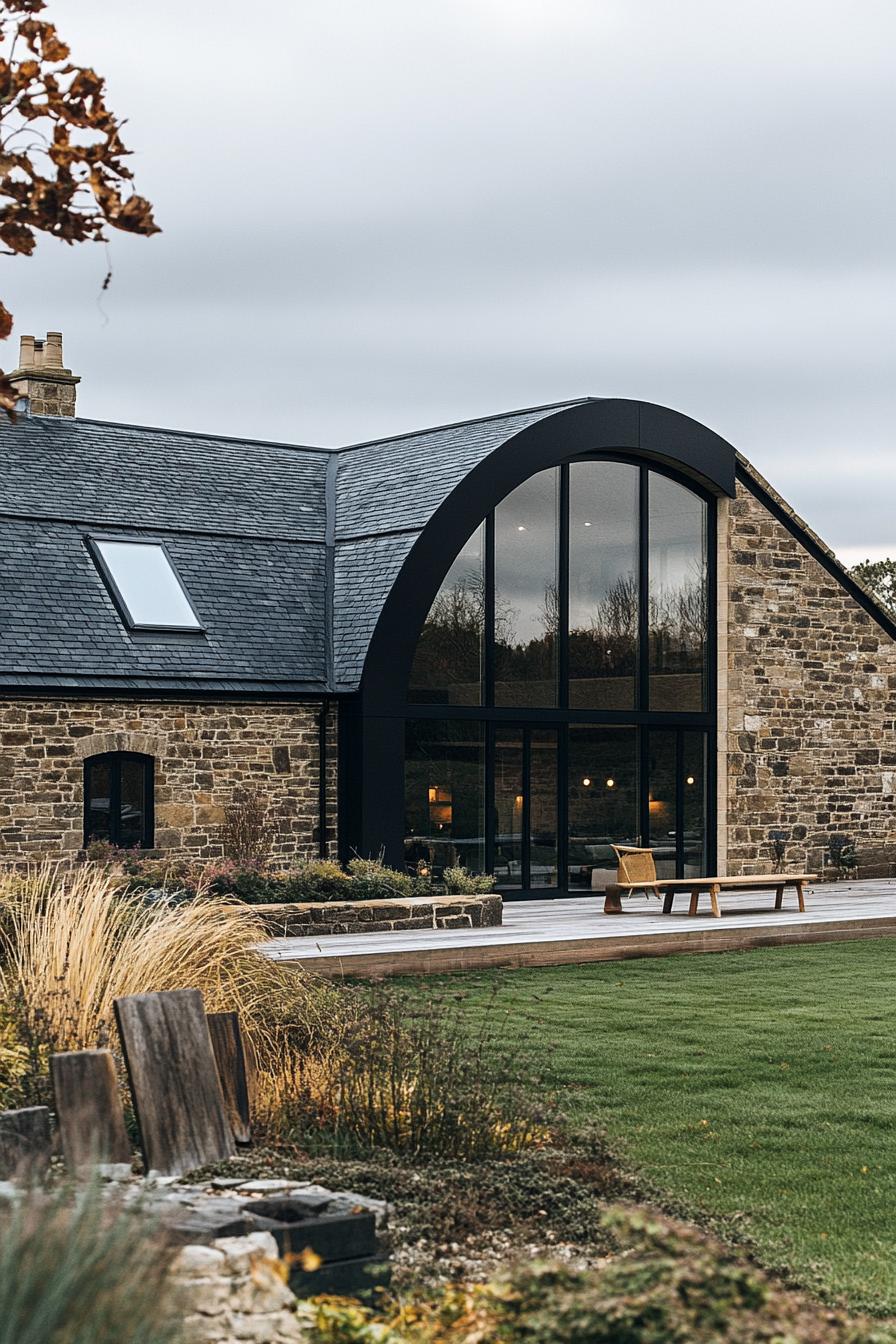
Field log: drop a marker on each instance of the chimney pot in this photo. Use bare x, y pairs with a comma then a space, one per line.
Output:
49, 387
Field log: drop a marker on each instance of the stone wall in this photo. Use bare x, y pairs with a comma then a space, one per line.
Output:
234, 1290
304, 919
811, 706
204, 755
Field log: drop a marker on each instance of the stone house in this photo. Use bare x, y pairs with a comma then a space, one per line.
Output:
504, 643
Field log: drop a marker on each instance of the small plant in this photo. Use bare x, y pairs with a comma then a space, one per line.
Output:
245, 834
316, 880
842, 855
73, 1270
372, 880
458, 882
417, 1077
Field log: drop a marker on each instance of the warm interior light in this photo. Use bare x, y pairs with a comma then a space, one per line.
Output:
611, 783
518, 802
433, 795
587, 782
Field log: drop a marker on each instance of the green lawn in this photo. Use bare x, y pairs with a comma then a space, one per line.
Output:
760, 1086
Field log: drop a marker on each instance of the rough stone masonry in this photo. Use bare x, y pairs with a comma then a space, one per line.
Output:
205, 754
811, 705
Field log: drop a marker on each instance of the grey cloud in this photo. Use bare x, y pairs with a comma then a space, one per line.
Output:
383, 216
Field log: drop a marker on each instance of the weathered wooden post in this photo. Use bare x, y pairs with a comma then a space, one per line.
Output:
88, 1109
174, 1081
25, 1143
235, 1061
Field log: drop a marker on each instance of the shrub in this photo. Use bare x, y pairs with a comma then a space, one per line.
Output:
245, 834
372, 881
316, 880
673, 1283
458, 882
74, 1271
414, 1075
842, 855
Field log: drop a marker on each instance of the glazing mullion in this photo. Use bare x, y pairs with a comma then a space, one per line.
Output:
115, 801
563, 808
526, 853
489, 669
490, 811
679, 804
643, 690
563, 593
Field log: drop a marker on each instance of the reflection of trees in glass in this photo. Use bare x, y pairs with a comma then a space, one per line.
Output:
606, 646
678, 623
532, 659
450, 645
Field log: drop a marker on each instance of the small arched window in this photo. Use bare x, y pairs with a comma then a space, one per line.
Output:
118, 799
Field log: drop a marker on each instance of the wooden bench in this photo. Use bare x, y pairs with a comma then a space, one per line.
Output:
637, 872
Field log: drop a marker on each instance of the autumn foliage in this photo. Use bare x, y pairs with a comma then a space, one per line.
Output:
62, 159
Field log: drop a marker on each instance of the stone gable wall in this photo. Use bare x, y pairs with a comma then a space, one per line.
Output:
811, 693
204, 755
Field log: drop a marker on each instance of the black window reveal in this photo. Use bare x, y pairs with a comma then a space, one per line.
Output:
118, 799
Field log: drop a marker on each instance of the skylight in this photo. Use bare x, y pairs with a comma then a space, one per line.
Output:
144, 585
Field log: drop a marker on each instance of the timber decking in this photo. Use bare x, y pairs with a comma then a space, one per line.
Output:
550, 933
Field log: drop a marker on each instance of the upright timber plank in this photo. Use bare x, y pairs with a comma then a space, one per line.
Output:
174, 1081
88, 1109
25, 1143
233, 1057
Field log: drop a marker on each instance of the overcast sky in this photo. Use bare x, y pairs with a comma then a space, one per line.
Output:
384, 214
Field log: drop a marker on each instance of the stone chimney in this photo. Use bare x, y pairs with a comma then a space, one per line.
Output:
41, 378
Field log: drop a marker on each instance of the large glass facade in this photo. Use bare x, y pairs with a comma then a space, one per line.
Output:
603, 584
677, 605
603, 801
445, 794
527, 593
571, 638
448, 663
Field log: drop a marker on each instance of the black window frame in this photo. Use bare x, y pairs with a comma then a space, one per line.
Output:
115, 759
94, 541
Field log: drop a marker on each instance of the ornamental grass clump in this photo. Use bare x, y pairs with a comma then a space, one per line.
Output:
73, 1270
72, 940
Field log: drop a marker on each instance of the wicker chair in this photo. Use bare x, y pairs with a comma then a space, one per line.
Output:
635, 866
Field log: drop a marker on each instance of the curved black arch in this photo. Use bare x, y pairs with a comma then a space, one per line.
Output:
372, 736
636, 429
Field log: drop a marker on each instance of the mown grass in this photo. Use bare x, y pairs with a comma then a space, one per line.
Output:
759, 1087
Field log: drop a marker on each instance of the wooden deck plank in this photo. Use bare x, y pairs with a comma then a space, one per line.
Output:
544, 933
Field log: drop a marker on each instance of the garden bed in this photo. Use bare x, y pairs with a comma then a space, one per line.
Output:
317, 918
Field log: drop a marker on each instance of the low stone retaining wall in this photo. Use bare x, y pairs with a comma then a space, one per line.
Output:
417, 912
233, 1291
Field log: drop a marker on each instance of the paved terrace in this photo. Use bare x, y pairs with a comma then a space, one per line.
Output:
550, 933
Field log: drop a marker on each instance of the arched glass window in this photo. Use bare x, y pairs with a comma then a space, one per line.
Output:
118, 799
571, 641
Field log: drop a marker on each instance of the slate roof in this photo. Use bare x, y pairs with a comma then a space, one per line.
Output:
288, 553
244, 522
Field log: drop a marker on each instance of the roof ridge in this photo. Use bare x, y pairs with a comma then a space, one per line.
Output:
471, 420
184, 433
